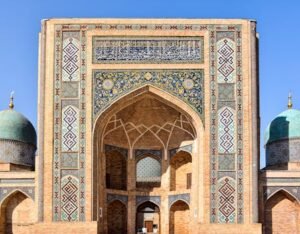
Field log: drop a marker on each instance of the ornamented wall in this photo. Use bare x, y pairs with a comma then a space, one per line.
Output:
89, 64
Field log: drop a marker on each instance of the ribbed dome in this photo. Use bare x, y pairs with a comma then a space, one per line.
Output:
14, 126
285, 126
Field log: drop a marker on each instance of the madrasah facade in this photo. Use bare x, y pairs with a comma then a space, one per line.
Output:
148, 126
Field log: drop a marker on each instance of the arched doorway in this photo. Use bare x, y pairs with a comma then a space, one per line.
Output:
281, 214
148, 216
179, 218
116, 218
17, 213
181, 171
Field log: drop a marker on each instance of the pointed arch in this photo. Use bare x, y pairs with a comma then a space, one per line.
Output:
179, 217
17, 212
281, 213
284, 191
117, 217
147, 91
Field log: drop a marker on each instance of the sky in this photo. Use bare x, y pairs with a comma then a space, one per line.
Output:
278, 25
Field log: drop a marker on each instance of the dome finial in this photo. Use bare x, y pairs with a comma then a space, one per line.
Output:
11, 103
290, 103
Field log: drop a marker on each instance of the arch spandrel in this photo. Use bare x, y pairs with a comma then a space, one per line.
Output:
109, 86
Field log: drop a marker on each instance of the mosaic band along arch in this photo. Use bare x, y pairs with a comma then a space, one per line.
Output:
128, 100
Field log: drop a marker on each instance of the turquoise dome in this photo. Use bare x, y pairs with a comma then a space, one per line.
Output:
285, 126
14, 126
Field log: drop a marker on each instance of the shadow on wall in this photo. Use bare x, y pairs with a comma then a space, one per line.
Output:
278, 145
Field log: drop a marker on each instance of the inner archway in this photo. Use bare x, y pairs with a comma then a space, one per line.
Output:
148, 218
145, 128
179, 218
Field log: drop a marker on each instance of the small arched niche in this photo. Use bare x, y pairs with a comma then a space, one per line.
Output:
181, 171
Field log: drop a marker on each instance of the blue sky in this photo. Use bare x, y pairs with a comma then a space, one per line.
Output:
278, 26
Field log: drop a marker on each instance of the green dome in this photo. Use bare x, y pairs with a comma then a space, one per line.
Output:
285, 126
14, 126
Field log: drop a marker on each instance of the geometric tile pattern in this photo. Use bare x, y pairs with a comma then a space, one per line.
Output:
226, 130
70, 128
110, 85
148, 50
226, 162
148, 169
226, 60
69, 125
139, 153
227, 203
69, 194
70, 61
69, 160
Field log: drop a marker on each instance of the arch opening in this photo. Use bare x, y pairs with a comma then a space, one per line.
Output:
281, 213
17, 213
145, 126
179, 218
148, 218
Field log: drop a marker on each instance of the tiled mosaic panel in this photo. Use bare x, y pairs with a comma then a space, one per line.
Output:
143, 152
148, 50
226, 117
70, 199
148, 170
142, 199
71, 57
177, 197
269, 191
226, 57
226, 162
226, 130
6, 191
69, 161
284, 151
226, 201
69, 126
184, 84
